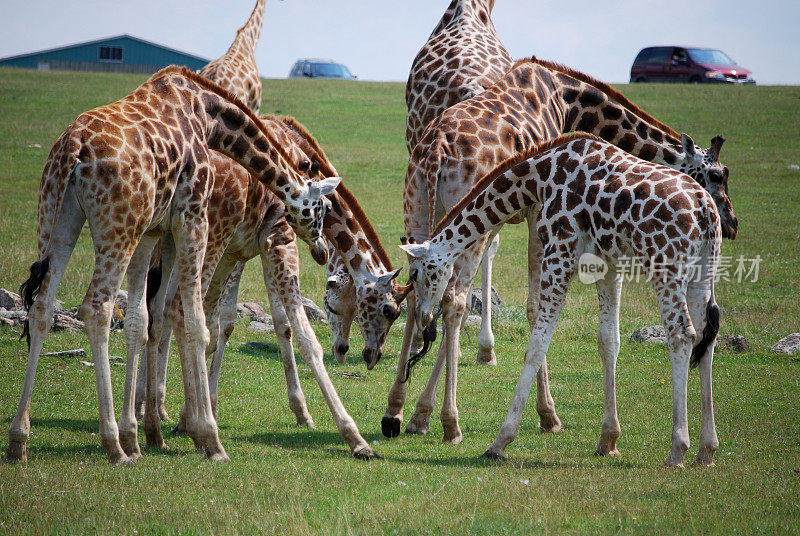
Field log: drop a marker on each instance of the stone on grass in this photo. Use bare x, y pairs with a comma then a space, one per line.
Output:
262, 324
734, 343
251, 309
788, 345
64, 322
476, 304
10, 300
652, 334
474, 320
313, 311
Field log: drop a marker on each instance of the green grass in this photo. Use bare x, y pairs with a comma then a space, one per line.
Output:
296, 481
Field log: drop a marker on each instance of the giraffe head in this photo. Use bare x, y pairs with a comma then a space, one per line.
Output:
703, 166
375, 305
430, 269
306, 212
378, 307
340, 305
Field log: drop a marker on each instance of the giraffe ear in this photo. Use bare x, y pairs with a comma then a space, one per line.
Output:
384, 282
688, 145
323, 187
416, 250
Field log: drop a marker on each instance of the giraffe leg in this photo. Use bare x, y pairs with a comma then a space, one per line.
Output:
419, 423
311, 351
141, 377
40, 319
227, 320
136, 339
283, 331
190, 242
545, 407
452, 319
680, 337
393, 418
550, 303
608, 294
156, 360
698, 295
486, 354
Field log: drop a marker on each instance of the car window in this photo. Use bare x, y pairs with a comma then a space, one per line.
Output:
643, 55
680, 55
307, 69
658, 56
715, 57
328, 70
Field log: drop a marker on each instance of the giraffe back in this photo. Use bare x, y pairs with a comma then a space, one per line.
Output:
463, 56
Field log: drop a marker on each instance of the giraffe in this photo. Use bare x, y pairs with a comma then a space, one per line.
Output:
597, 199
534, 102
462, 57
264, 232
236, 70
136, 169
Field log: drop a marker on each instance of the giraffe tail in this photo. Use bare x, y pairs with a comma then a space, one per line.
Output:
66, 160
711, 328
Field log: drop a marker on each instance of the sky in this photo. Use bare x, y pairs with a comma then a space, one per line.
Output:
378, 39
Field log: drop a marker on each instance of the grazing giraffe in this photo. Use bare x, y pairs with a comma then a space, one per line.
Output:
597, 199
236, 70
137, 169
264, 232
462, 57
534, 102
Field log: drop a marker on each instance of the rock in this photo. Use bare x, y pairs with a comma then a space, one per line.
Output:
10, 300
313, 311
788, 345
653, 334
474, 320
476, 305
251, 309
62, 322
13, 317
734, 343
262, 324
794, 167
257, 345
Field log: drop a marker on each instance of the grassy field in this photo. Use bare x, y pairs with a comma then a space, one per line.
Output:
287, 480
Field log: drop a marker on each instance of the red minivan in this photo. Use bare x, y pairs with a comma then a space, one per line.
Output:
683, 64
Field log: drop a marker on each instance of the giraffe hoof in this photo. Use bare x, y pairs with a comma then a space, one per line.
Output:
178, 429
365, 452
549, 424
495, 455
390, 426
17, 452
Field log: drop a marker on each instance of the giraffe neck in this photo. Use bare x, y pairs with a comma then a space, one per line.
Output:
515, 185
595, 107
249, 34
465, 10
233, 130
344, 229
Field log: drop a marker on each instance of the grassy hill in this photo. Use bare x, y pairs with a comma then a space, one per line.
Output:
290, 480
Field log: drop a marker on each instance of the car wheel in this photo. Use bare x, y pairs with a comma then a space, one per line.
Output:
640, 79
694, 80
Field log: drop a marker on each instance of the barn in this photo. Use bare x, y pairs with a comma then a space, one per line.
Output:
119, 54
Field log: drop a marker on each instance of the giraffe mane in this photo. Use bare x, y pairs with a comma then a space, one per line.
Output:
213, 87
247, 23
347, 196
505, 166
602, 86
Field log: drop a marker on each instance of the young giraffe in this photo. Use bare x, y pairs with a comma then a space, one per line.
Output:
236, 70
598, 199
534, 102
137, 169
462, 57
265, 232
